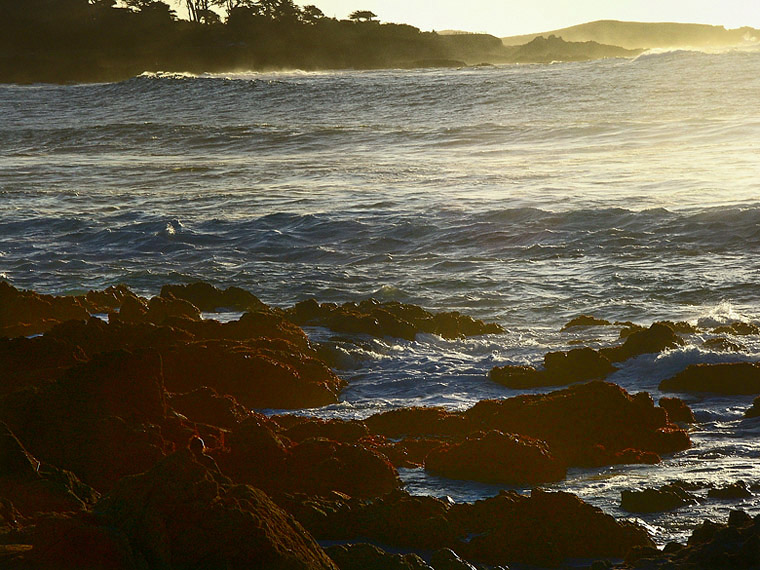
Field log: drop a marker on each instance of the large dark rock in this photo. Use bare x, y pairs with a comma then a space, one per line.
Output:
585, 321
734, 545
205, 406
677, 410
177, 516
209, 298
586, 424
657, 338
388, 319
100, 421
548, 528
35, 361
261, 456
24, 313
666, 498
418, 421
727, 378
495, 457
396, 519
364, 556
560, 369
36, 488
258, 374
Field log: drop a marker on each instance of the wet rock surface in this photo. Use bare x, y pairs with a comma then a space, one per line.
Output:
391, 319
729, 378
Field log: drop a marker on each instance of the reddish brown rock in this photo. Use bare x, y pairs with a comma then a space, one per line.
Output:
107, 300
396, 519
36, 488
260, 374
585, 321
158, 310
677, 410
722, 344
418, 421
666, 498
176, 515
35, 361
209, 298
24, 313
656, 338
728, 378
388, 319
560, 369
335, 430
204, 405
548, 528
100, 421
738, 329
576, 420
369, 557
319, 467
495, 457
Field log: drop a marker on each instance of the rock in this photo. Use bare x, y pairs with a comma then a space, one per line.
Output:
35, 361
318, 467
447, 559
390, 319
519, 377
754, 410
106, 301
681, 327
336, 430
208, 298
418, 421
524, 529
133, 310
738, 329
260, 456
204, 405
176, 515
258, 374
581, 421
734, 378
560, 369
110, 407
721, 344
396, 519
75, 542
495, 457
666, 498
577, 365
734, 491
368, 557
585, 321
24, 313
656, 338
36, 488
735, 545
677, 410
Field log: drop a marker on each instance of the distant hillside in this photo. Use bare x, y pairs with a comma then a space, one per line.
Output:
547, 50
642, 35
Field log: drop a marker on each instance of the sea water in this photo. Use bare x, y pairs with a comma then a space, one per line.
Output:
526, 195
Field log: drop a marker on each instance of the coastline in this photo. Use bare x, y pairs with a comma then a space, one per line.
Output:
96, 409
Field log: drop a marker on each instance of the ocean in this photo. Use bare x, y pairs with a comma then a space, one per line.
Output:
523, 194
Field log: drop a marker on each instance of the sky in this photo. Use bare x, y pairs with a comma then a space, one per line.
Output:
515, 17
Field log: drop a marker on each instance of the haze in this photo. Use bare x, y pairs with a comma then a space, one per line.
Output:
512, 17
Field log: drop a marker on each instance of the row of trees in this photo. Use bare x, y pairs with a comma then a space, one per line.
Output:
110, 40
205, 11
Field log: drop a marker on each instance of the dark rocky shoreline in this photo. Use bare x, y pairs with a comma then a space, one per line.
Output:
132, 443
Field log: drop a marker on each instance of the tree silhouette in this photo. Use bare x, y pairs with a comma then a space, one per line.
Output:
311, 14
362, 16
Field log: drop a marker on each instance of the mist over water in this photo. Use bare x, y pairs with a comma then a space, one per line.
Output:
629, 189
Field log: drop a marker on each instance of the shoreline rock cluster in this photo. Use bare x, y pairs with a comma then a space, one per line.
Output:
133, 443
